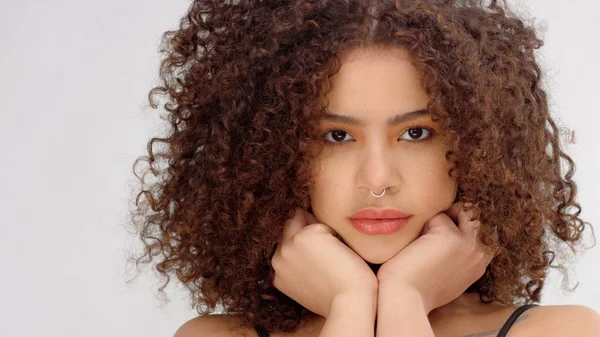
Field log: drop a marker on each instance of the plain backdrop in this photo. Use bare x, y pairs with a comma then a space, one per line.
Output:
74, 82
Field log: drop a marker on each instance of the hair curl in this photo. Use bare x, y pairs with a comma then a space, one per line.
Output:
244, 81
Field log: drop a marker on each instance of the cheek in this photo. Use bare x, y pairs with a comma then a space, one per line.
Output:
437, 186
330, 185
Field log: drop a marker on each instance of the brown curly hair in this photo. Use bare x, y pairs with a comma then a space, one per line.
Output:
244, 81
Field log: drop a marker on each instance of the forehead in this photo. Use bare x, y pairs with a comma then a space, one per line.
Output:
376, 83
397, 119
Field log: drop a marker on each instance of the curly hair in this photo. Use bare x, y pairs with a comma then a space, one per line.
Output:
244, 81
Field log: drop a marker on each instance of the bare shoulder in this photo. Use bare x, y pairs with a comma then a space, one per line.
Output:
540, 321
559, 321
214, 326
231, 325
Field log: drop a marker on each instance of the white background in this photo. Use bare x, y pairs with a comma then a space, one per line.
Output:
74, 82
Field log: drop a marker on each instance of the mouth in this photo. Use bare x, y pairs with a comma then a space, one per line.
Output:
379, 226
378, 221
379, 214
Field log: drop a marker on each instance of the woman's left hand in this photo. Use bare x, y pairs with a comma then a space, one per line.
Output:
442, 263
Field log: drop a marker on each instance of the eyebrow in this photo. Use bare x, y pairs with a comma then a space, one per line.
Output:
398, 119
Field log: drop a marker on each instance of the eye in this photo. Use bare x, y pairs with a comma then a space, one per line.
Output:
336, 137
416, 132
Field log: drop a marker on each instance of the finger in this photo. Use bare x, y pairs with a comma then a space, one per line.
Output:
467, 226
470, 229
302, 219
486, 258
452, 212
464, 215
439, 222
323, 228
310, 218
295, 224
313, 220
457, 214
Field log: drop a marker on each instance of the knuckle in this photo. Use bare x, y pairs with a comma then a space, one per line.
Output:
311, 230
300, 236
476, 250
275, 262
456, 238
481, 272
297, 213
436, 219
317, 227
479, 254
286, 250
295, 218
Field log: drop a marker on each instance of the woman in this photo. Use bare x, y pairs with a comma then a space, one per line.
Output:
360, 168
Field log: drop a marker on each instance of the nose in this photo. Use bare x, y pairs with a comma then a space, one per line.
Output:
378, 170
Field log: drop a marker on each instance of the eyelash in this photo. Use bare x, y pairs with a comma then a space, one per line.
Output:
431, 134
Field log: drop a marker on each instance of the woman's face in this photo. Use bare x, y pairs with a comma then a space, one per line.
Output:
365, 152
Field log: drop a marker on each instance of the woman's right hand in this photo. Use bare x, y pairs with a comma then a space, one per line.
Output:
313, 267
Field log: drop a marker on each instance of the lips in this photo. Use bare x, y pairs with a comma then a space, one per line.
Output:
379, 213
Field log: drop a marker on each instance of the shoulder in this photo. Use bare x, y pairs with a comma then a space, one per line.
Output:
213, 326
559, 321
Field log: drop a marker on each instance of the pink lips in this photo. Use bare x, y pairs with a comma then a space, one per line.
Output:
376, 221
379, 213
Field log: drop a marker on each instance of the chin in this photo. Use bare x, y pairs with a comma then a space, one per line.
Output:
377, 255
377, 259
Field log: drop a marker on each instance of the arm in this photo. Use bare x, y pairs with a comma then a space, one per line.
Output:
401, 314
351, 315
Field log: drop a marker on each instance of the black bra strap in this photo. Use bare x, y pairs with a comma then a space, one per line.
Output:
513, 318
261, 331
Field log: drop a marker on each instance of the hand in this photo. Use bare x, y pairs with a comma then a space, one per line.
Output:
312, 266
442, 263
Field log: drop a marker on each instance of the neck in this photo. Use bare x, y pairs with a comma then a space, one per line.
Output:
463, 304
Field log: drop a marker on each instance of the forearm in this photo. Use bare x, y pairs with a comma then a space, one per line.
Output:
401, 314
351, 315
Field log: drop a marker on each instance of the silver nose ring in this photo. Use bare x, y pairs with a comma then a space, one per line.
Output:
378, 196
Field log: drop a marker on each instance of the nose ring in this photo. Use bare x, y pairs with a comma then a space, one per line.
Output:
378, 196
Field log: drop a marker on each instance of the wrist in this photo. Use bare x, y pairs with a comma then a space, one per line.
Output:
366, 288
402, 313
401, 295
364, 301
351, 314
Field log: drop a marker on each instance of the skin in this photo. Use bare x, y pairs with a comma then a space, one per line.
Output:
473, 320
375, 86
